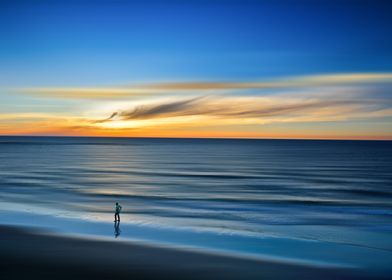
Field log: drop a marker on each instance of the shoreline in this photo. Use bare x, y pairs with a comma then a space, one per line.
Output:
35, 255
285, 249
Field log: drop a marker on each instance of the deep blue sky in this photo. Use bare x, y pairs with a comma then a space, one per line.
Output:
78, 43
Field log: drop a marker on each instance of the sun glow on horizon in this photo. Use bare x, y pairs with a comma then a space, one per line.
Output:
343, 101
248, 69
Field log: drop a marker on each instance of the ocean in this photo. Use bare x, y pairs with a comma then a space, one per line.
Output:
258, 197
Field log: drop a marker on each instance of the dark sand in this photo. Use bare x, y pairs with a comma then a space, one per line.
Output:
26, 254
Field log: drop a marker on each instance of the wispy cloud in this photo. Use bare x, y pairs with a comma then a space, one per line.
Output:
219, 109
173, 108
330, 105
206, 86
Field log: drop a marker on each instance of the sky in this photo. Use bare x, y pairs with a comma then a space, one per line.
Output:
312, 69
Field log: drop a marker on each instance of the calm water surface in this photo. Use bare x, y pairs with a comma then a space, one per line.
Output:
320, 190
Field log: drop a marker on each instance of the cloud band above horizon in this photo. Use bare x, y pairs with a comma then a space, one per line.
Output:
218, 109
109, 93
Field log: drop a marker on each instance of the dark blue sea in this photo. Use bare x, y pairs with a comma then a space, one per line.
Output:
324, 201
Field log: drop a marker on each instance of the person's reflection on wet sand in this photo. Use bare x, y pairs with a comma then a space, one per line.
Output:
117, 230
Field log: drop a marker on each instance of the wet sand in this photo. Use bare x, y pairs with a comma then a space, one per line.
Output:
27, 254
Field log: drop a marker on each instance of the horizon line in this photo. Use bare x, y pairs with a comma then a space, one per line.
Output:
206, 138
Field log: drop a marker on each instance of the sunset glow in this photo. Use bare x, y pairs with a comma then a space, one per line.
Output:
247, 84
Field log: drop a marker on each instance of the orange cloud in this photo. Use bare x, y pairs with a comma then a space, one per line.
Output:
228, 110
335, 99
110, 93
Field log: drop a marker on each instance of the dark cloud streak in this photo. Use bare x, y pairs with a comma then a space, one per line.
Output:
224, 107
168, 109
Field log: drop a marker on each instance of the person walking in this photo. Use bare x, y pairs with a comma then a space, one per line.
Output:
117, 212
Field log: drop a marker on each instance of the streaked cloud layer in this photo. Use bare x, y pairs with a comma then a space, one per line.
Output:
211, 109
315, 105
170, 87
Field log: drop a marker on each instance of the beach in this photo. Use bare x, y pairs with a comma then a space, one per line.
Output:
32, 254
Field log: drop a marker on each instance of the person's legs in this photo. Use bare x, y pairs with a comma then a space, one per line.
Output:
116, 217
